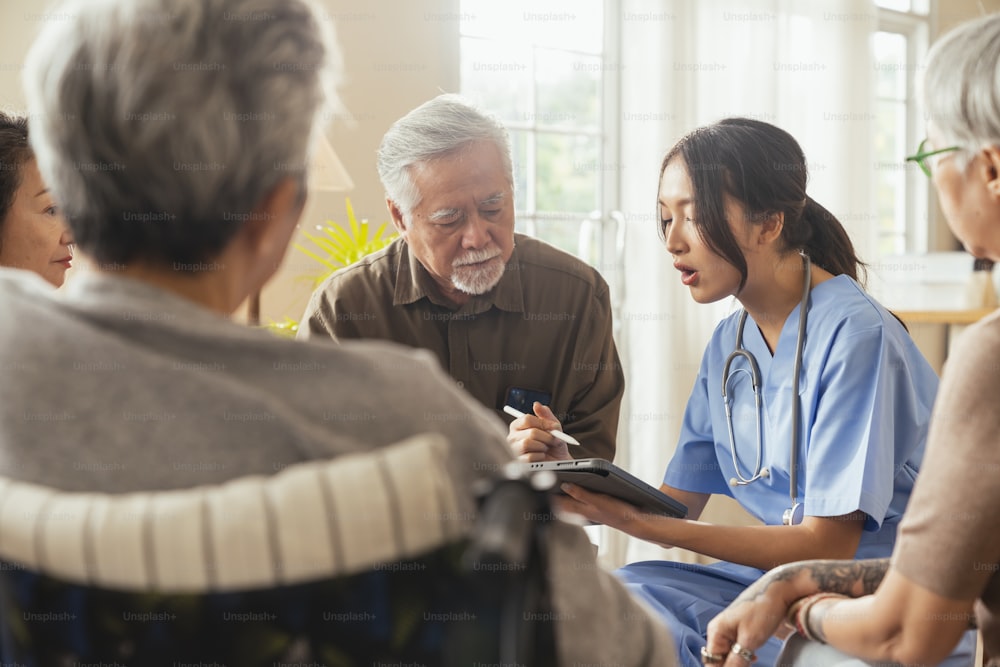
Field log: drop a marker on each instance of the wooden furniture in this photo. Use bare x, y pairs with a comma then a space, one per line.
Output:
963, 317
935, 331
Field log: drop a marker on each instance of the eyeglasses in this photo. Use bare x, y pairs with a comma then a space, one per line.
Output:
921, 156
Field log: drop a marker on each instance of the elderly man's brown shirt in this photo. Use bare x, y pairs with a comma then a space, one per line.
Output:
546, 326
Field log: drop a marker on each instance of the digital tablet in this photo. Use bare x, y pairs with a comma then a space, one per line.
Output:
602, 476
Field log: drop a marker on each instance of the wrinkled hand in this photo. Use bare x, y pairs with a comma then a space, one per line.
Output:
530, 440
751, 619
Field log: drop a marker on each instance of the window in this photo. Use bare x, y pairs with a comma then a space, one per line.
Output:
901, 189
543, 69
914, 6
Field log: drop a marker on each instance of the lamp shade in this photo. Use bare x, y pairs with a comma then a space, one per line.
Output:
326, 171
326, 174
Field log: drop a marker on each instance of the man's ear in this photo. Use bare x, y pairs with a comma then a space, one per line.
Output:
991, 170
398, 221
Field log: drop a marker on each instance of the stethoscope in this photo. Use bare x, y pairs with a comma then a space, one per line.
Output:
793, 515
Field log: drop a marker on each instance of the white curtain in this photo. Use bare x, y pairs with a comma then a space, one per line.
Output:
804, 65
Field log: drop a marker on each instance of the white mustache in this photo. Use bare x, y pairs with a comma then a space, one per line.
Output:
476, 256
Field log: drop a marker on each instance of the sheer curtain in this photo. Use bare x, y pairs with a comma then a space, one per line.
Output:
804, 65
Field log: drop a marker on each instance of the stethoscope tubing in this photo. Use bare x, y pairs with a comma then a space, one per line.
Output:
755, 380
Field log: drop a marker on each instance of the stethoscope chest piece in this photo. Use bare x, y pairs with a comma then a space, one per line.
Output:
793, 515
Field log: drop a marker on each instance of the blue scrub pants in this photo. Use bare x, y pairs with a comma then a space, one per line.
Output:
688, 596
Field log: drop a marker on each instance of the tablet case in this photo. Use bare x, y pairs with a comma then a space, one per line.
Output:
602, 476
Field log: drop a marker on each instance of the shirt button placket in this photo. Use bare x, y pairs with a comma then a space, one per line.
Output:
458, 349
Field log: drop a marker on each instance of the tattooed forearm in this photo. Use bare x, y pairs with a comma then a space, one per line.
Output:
847, 577
777, 575
854, 577
873, 574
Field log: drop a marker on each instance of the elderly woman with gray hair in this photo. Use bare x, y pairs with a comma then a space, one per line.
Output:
915, 607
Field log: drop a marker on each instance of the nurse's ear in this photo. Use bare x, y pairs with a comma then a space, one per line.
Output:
768, 229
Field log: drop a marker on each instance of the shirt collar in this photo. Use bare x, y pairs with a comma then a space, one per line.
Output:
413, 283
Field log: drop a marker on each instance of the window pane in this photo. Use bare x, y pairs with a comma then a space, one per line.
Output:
900, 188
519, 156
569, 172
569, 89
898, 5
890, 65
892, 245
539, 66
575, 25
498, 78
891, 170
912, 6
562, 233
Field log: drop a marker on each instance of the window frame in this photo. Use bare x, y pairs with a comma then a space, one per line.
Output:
914, 26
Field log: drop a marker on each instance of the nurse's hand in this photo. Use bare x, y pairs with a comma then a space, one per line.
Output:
530, 440
610, 511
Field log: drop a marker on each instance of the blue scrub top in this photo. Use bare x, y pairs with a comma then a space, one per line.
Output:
866, 393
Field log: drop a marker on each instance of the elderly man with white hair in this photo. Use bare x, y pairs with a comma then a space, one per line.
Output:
514, 321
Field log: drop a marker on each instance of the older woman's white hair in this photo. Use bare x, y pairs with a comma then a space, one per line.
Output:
160, 124
961, 86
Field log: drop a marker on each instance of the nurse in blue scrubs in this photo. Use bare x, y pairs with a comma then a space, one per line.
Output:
824, 386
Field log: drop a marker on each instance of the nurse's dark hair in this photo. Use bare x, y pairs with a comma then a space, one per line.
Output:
762, 167
14, 153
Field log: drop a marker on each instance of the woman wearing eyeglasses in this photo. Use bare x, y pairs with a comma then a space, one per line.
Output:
811, 404
945, 569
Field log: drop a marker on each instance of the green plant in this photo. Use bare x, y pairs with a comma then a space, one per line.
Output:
336, 246
339, 247
287, 328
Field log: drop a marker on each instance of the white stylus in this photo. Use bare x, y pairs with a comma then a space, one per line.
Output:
568, 439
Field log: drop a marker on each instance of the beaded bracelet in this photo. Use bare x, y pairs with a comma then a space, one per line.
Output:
798, 614
792, 612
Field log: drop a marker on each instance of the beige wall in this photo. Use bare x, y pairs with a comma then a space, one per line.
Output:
20, 21
952, 12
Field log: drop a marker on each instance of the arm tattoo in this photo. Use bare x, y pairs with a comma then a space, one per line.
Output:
847, 577
852, 577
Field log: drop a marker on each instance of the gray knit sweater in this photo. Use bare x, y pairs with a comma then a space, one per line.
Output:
114, 385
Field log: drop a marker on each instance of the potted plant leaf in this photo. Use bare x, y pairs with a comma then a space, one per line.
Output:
337, 246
